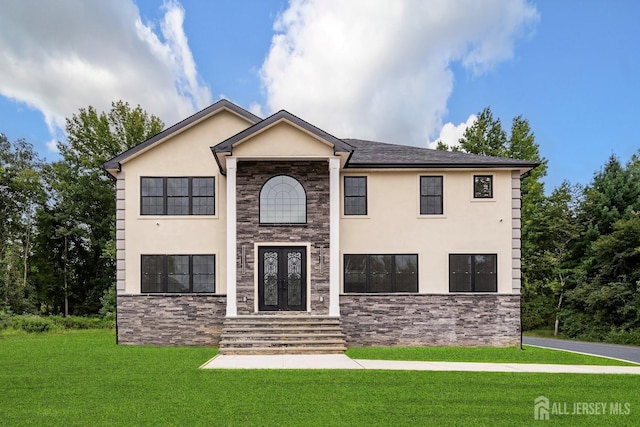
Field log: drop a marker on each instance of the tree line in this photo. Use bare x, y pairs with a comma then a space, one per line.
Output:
57, 227
580, 244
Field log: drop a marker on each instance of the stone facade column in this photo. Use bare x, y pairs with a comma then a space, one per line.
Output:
232, 244
334, 237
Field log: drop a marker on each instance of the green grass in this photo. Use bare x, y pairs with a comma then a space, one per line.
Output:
83, 378
481, 354
542, 333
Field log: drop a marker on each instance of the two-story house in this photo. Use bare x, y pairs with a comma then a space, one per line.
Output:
226, 220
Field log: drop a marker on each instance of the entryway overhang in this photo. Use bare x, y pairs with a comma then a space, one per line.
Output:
282, 137
279, 137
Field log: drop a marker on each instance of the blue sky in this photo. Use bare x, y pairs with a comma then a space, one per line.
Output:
391, 71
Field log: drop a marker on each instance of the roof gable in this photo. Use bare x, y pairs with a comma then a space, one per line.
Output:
339, 146
223, 104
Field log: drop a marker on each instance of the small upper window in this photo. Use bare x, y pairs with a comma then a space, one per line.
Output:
355, 195
283, 201
430, 195
483, 186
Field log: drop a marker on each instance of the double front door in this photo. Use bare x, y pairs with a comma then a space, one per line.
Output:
282, 274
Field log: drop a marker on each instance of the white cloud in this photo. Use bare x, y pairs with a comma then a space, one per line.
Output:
60, 56
450, 134
256, 109
382, 69
52, 145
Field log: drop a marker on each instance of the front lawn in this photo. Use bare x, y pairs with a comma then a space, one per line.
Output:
83, 378
481, 354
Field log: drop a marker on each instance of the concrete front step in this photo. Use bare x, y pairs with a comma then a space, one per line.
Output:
288, 341
282, 350
271, 320
282, 334
259, 335
283, 329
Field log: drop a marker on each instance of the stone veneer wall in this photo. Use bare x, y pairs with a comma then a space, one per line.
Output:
430, 320
314, 178
171, 319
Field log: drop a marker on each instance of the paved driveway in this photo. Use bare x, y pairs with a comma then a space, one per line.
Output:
623, 352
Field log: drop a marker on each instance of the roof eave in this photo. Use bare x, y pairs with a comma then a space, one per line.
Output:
524, 167
223, 104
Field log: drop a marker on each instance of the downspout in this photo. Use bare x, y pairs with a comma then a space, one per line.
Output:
117, 337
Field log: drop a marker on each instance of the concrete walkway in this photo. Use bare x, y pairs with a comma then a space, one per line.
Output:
340, 361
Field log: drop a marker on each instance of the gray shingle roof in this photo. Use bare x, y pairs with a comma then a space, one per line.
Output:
373, 154
363, 154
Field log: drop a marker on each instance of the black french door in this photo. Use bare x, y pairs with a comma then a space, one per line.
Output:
282, 275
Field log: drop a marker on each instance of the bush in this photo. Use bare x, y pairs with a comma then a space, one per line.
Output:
5, 319
31, 323
77, 322
108, 301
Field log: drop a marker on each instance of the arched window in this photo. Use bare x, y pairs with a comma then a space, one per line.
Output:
283, 201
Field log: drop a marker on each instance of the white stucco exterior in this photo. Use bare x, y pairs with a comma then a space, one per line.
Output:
393, 223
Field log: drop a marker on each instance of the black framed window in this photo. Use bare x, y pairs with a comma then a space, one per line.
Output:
152, 267
483, 186
177, 196
177, 273
381, 273
152, 196
431, 195
283, 201
473, 273
355, 195
203, 196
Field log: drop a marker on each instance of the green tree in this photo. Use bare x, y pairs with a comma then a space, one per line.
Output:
82, 212
21, 193
552, 239
485, 137
606, 300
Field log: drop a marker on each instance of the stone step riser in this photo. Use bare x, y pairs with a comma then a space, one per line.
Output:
281, 351
282, 324
276, 341
277, 334
229, 337
283, 330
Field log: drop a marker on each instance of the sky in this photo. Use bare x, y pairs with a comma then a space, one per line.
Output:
398, 71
